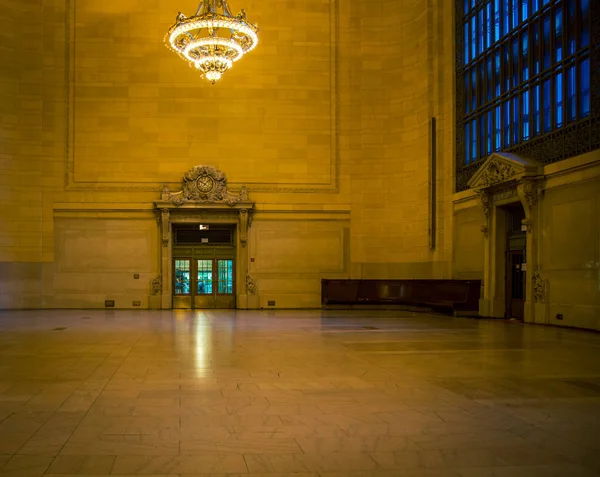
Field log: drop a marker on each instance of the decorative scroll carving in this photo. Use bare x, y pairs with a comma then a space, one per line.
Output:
483, 198
244, 226
205, 184
527, 224
531, 190
539, 288
166, 226
156, 285
250, 285
496, 172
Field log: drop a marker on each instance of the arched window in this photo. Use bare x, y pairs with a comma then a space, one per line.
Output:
528, 76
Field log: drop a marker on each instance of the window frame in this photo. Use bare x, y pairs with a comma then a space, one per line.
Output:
567, 140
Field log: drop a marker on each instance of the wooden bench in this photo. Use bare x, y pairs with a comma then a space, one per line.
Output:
455, 296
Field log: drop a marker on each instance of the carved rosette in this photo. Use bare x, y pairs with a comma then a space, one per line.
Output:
539, 288
250, 285
156, 285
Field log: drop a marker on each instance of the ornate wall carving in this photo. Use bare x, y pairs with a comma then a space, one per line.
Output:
250, 285
497, 172
205, 184
532, 190
156, 285
539, 287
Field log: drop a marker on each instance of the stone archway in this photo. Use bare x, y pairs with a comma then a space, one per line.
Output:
204, 197
504, 179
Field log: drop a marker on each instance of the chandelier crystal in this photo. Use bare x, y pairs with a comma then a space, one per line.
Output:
213, 39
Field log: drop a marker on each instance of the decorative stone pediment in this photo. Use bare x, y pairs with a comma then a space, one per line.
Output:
500, 168
205, 184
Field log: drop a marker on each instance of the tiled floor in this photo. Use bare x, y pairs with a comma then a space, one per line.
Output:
303, 393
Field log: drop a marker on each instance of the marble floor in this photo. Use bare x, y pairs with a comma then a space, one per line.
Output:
302, 393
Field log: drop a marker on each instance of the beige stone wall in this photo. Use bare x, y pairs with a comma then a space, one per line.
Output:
570, 244
98, 259
292, 252
21, 144
405, 80
468, 250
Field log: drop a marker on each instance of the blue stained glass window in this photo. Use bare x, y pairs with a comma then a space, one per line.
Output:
524, 11
515, 62
498, 126
488, 25
490, 78
558, 36
496, 20
489, 134
526, 72
525, 56
558, 95
467, 56
571, 27
585, 23
467, 92
481, 31
547, 46
525, 104
497, 74
473, 88
515, 121
584, 92
571, 94
468, 143
537, 125
547, 92
507, 117
535, 48
474, 154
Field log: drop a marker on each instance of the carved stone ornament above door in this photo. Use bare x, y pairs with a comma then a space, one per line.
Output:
500, 168
204, 193
504, 176
204, 184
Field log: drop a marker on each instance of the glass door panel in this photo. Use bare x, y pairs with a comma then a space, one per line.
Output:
182, 277
205, 277
182, 283
225, 277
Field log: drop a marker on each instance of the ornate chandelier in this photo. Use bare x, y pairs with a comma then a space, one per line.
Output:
213, 38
